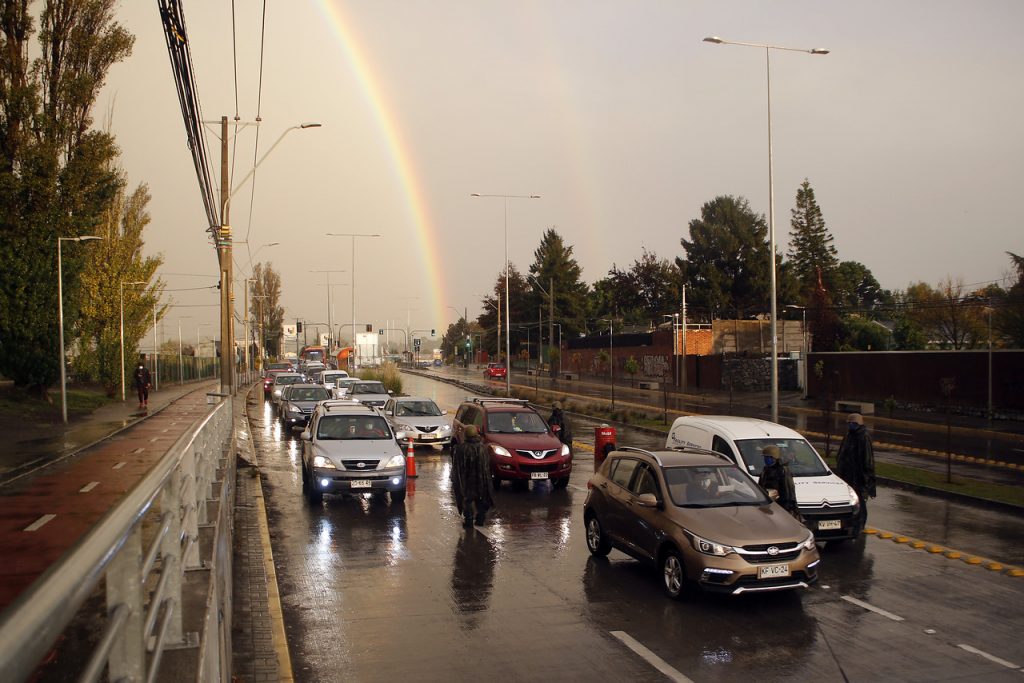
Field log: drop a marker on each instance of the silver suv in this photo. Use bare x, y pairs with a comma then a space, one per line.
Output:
420, 419
350, 448
371, 392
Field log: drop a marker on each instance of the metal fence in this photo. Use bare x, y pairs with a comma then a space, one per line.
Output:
172, 369
153, 594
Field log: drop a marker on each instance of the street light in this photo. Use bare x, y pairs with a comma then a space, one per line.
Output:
508, 315
611, 349
137, 282
771, 202
330, 318
353, 236
60, 321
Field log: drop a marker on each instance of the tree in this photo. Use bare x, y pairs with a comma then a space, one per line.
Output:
810, 242
726, 265
823, 321
56, 179
552, 259
947, 316
631, 366
651, 287
519, 292
267, 312
855, 287
863, 334
1009, 318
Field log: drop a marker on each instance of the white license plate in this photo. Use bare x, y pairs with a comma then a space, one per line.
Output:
829, 524
773, 571
360, 483
427, 437
538, 475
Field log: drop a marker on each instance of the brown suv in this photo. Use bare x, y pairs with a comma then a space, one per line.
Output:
523, 447
699, 518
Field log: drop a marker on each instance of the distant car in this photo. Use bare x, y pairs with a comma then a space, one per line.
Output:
699, 519
285, 367
328, 377
437, 362
298, 402
312, 368
343, 387
495, 371
523, 447
268, 380
281, 380
420, 418
370, 392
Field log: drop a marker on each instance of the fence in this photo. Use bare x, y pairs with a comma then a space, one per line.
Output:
174, 498
169, 371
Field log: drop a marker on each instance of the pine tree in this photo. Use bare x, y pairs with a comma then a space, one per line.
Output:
554, 259
810, 244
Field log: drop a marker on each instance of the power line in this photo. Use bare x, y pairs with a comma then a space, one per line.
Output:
259, 111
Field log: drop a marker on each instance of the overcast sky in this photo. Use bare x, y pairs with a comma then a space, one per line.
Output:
616, 113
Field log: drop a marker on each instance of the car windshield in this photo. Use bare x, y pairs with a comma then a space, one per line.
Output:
279, 366
516, 423
352, 427
417, 409
369, 388
308, 394
803, 461
345, 382
287, 379
712, 486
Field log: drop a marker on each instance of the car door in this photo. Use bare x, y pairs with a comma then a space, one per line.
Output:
616, 494
642, 526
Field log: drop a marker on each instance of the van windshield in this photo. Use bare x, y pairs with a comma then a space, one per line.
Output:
803, 461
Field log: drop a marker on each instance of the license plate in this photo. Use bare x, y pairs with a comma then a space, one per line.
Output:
773, 571
427, 437
538, 475
360, 483
829, 524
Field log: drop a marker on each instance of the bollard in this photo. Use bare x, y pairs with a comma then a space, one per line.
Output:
410, 461
604, 443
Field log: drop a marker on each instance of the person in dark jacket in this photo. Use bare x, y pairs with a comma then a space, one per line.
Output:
142, 383
471, 478
557, 419
855, 462
776, 476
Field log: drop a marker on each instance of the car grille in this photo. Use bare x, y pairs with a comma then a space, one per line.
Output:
367, 465
758, 554
826, 511
536, 455
376, 404
427, 428
550, 467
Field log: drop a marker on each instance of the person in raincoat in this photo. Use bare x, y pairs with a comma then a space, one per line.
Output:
559, 425
855, 462
776, 476
142, 381
471, 478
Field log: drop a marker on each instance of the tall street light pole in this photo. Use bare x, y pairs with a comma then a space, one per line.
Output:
771, 202
550, 294
611, 349
508, 315
353, 236
60, 321
330, 318
137, 282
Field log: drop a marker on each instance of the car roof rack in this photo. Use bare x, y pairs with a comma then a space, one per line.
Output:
702, 451
634, 449
345, 403
482, 400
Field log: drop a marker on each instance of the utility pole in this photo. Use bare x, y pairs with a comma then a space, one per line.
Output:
682, 330
227, 344
551, 318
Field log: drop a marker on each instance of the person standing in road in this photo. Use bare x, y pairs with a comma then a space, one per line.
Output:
557, 419
776, 476
142, 383
471, 478
855, 462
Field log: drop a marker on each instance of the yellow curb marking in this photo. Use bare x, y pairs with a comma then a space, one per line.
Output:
1015, 572
901, 539
935, 549
995, 567
885, 534
871, 531
1008, 570
973, 560
952, 554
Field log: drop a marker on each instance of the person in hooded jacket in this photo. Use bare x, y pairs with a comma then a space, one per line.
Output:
564, 433
776, 475
855, 462
471, 478
142, 382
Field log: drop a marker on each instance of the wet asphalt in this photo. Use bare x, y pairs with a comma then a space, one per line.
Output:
377, 591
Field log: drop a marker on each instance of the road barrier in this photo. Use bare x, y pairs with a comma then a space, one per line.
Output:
410, 461
150, 605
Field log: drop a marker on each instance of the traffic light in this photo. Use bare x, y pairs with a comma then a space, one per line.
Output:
298, 326
469, 343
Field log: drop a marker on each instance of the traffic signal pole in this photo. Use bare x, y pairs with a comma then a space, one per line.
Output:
227, 345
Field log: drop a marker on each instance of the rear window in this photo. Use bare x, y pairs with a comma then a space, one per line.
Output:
287, 379
803, 461
308, 394
712, 486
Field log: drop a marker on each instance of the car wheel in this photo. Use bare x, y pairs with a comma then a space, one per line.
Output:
560, 483
597, 543
673, 576
313, 494
398, 496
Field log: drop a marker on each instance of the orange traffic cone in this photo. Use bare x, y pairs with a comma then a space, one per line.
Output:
410, 462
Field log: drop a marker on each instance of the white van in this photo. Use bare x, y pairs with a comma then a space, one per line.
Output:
829, 506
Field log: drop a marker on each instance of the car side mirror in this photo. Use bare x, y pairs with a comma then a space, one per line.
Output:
306, 436
647, 500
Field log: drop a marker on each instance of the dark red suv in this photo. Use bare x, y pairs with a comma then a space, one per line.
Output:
522, 445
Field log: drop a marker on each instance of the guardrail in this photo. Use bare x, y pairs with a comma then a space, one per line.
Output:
150, 604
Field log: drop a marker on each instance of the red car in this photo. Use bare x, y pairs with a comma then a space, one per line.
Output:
268, 379
495, 370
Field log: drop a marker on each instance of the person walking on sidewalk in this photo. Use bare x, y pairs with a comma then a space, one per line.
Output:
855, 462
142, 383
776, 477
559, 425
471, 478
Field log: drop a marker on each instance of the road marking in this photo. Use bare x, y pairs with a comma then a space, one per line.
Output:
991, 658
155, 438
578, 488
118, 466
651, 658
1019, 450
36, 525
876, 610
138, 450
891, 432
89, 487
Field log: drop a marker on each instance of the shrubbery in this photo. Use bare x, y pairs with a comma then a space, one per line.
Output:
387, 373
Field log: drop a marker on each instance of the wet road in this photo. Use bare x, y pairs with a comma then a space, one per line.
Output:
374, 591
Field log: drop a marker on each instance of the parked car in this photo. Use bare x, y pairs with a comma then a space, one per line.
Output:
298, 402
698, 518
370, 391
350, 448
523, 447
282, 380
830, 508
420, 418
495, 371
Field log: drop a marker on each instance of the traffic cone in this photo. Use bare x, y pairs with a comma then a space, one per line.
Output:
410, 462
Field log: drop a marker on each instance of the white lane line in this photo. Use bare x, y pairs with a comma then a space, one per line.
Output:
155, 438
896, 433
578, 488
139, 450
1019, 450
36, 525
89, 487
651, 658
872, 608
118, 466
991, 658
164, 431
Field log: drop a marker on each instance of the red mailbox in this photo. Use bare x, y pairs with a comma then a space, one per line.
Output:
604, 443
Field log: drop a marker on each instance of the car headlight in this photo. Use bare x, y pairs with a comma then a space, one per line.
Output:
446, 428
498, 450
808, 543
854, 498
277, 392
703, 545
565, 449
403, 428
395, 461
294, 409
323, 463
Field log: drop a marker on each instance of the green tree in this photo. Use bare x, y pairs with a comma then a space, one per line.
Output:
56, 179
267, 311
553, 259
855, 287
810, 242
651, 287
726, 265
631, 366
1008, 319
519, 292
948, 316
863, 334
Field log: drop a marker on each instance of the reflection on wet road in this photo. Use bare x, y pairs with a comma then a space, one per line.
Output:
377, 591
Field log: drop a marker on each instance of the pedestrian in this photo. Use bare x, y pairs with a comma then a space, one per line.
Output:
560, 425
142, 383
855, 462
471, 478
776, 476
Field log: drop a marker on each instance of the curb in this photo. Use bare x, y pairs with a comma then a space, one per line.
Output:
953, 496
948, 553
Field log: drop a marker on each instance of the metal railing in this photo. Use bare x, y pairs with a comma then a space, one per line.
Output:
143, 597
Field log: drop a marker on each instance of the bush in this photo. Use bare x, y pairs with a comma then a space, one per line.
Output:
387, 373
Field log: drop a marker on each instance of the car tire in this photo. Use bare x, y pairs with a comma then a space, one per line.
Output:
673, 574
560, 483
398, 496
597, 542
313, 494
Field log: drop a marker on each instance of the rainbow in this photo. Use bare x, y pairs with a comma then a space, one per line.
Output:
402, 159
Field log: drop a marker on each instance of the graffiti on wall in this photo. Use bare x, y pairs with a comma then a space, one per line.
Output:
655, 366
